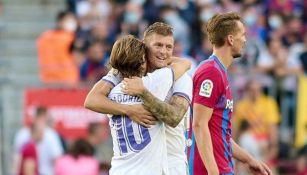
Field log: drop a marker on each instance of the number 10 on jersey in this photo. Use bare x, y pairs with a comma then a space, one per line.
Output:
130, 135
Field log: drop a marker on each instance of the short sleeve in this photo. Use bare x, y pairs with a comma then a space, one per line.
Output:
22, 137
113, 77
208, 87
29, 151
159, 82
183, 87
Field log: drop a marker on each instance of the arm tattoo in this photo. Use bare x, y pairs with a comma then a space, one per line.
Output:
171, 113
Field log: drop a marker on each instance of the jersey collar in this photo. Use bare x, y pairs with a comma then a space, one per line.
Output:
219, 62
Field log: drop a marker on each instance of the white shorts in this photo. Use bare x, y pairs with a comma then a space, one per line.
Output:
179, 169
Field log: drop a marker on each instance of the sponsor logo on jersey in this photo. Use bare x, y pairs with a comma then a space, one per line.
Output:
206, 88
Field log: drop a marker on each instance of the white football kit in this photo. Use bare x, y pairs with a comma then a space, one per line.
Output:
175, 137
139, 150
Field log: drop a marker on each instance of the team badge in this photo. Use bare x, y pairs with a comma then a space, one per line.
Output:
206, 88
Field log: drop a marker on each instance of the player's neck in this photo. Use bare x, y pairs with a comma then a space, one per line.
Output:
150, 69
223, 55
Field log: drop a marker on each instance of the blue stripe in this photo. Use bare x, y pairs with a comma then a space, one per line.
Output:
219, 62
181, 94
224, 135
108, 81
191, 157
173, 74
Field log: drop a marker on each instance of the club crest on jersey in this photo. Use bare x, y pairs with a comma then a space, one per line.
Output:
206, 88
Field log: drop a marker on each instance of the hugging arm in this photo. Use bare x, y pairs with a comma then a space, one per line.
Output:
170, 113
98, 101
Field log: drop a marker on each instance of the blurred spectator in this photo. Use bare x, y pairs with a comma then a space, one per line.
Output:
286, 6
229, 6
261, 113
204, 50
186, 9
181, 28
71, 5
91, 11
101, 32
303, 55
151, 11
48, 149
275, 21
301, 165
79, 161
57, 64
279, 63
201, 3
132, 20
96, 133
294, 31
255, 23
29, 154
94, 66
248, 141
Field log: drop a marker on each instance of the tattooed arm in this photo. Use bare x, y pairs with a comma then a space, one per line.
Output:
170, 113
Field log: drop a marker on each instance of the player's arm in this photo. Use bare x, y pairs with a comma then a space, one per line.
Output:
29, 167
97, 101
180, 66
201, 118
257, 167
170, 113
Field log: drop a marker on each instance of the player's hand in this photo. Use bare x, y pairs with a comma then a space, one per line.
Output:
140, 115
259, 168
133, 86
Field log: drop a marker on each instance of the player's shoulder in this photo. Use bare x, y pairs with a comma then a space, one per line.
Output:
185, 77
209, 69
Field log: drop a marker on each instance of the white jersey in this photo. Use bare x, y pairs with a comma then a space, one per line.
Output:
139, 150
175, 138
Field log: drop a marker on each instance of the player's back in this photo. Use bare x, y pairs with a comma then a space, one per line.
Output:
138, 150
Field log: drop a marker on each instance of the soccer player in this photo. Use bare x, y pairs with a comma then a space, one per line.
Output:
213, 104
159, 40
137, 149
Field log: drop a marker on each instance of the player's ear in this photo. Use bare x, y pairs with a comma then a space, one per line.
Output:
230, 40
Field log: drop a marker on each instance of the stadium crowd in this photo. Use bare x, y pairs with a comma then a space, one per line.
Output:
265, 80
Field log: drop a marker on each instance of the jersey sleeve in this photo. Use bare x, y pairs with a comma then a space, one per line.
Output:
208, 87
183, 87
113, 77
29, 152
159, 82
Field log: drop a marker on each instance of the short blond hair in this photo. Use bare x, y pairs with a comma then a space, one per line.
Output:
221, 25
159, 28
